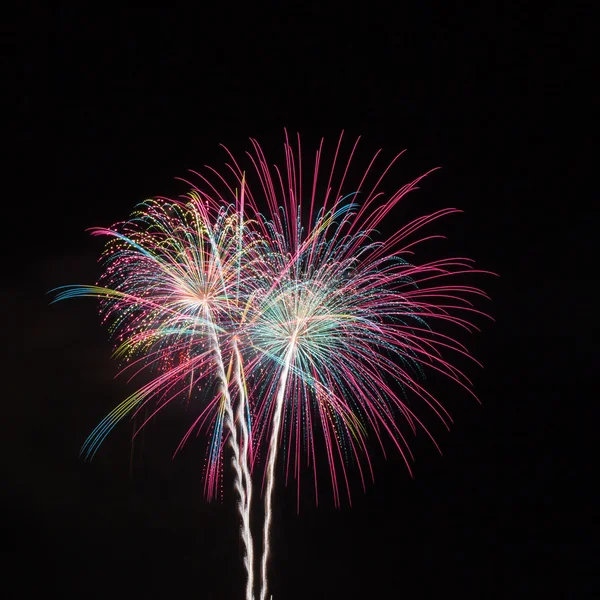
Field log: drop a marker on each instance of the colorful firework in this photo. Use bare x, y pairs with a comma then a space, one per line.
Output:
300, 312
343, 325
171, 292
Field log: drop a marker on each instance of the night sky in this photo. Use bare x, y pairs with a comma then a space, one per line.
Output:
113, 105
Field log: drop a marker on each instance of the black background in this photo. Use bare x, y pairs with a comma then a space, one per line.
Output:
113, 104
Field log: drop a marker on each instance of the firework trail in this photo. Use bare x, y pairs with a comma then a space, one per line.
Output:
246, 491
341, 320
171, 291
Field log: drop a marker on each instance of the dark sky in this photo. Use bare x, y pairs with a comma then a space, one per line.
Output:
114, 104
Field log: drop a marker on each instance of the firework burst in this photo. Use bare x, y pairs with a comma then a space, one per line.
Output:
343, 324
285, 301
172, 294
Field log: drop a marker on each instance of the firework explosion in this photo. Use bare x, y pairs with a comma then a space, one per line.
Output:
172, 293
305, 322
